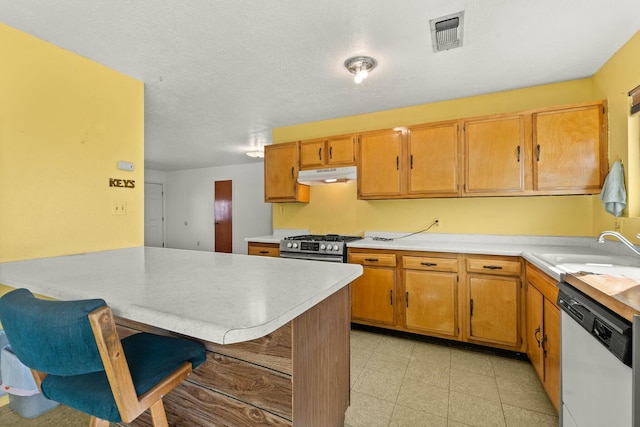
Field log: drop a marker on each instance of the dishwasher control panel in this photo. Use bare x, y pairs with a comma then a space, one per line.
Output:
611, 330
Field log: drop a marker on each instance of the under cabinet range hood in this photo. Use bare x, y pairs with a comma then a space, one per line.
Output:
327, 176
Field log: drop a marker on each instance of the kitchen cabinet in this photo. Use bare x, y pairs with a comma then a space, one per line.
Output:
570, 151
281, 174
494, 301
433, 160
328, 152
543, 330
264, 249
373, 294
495, 160
378, 158
431, 295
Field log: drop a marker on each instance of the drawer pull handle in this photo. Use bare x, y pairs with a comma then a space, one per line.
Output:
492, 267
371, 259
429, 264
264, 252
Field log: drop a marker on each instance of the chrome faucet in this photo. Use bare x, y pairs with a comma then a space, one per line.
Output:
619, 237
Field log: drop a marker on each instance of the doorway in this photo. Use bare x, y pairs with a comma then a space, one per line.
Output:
222, 236
153, 214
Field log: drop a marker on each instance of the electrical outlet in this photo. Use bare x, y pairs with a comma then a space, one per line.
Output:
119, 208
617, 225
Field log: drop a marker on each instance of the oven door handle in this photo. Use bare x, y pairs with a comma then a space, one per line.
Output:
311, 257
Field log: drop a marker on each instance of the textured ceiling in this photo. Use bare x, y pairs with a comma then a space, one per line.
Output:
219, 75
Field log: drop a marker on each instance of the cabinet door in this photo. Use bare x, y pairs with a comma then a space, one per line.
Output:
534, 329
433, 160
281, 174
569, 149
495, 161
341, 151
379, 164
431, 301
312, 153
372, 295
551, 349
493, 309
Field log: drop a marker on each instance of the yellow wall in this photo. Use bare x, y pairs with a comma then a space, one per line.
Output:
614, 80
65, 122
335, 208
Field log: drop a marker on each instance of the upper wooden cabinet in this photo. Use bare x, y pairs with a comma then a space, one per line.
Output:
433, 160
379, 155
495, 160
281, 174
569, 149
327, 152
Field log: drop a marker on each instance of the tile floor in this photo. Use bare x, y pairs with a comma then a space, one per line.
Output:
402, 382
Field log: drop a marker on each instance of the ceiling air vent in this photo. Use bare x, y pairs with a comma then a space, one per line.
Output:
446, 32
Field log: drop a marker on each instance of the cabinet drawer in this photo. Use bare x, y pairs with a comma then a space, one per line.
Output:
264, 250
494, 266
430, 263
386, 260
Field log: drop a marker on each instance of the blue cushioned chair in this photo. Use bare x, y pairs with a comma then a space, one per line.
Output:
77, 358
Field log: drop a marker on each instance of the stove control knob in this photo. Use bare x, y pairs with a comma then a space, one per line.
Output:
289, 245
322, 247
335, 247
294, 245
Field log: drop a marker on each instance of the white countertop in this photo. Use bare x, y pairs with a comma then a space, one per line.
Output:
223, 298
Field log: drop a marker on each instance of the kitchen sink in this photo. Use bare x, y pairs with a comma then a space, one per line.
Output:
558, 259
612, 265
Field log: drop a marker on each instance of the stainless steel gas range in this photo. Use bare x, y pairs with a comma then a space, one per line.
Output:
328, 247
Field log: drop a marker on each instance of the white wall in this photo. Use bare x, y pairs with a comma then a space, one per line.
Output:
189, 197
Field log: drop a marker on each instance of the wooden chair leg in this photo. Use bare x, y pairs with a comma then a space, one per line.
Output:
97, 422
158, 416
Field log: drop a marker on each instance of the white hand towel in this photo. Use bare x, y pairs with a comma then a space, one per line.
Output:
614, 195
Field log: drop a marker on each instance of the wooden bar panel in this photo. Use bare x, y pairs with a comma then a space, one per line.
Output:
190, 405
256, 385
321, 380
272, 351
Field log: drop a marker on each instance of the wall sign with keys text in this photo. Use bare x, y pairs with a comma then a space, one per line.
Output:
124, 183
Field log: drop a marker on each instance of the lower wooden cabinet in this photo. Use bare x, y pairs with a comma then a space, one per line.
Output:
373, 294
543, 330
494, 301
423, 293
431, 295
264, 249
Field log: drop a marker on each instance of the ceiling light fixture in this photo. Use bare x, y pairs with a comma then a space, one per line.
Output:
256, 153
360, 66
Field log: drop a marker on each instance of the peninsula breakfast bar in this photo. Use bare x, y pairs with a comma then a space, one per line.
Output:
276, 330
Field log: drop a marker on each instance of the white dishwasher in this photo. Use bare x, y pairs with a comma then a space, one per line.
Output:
596, 363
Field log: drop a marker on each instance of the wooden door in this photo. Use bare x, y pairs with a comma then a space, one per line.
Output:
493, 309
223, 215
341, 151
433, 160
568, 149
552, 352
431, 301
494, 156
372, 295
379, 164
535, 333
313, 153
